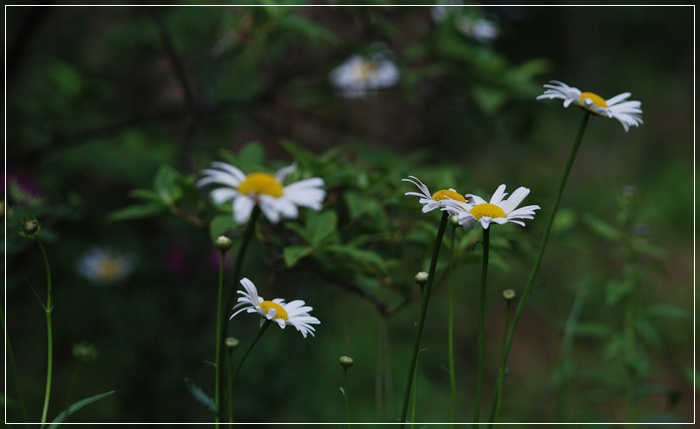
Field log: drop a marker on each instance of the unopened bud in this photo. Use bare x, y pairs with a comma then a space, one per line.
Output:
454, 220
469, 224
223, 243
231, 343
421, 278
508, 294
30, 227
346, 361
85, 352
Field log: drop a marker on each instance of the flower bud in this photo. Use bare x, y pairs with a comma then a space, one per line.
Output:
421, 278
232, 343
469, 224
223, 243
30, 227
346, 361
85, 352
454, 220
508, 294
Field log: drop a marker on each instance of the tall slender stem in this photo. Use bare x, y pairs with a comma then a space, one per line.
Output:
496, 406
266, 324
480, 340
219, 339
540, 252
345, 394
222, 325
425, 297
49, 337
565, 359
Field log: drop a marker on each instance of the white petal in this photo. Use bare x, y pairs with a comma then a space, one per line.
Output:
242, 207
284, 172
498, 195
515, 199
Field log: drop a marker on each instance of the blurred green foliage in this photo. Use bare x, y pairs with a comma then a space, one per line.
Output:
112, 112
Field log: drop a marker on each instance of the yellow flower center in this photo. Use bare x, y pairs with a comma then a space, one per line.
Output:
281, 312
109, 269
445, 194
595, 98
261, 183
487, 209
366, 69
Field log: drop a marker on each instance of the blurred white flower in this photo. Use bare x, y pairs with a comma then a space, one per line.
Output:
358, 75
104, 267
480, 29
498, 210
264, 190
629, 113
442, 11
294, 313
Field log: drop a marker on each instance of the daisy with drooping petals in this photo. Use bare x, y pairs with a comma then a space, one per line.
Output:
294, 313
433, 201
264, 190
358, 75
629, 113
498, 210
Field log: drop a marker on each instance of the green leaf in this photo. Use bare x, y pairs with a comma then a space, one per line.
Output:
616, 290
488, 99
663, 310
253, 154
220, 224
359, 255
202, 397
309, 29
321, 225
292, 254
145, 194
299, 230
75, 407
136, 211
602, 228
593, 329
166, 184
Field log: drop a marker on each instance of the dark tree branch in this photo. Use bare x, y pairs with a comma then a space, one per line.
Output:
191, 107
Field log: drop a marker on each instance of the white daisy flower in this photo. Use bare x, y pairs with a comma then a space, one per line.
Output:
103, 266
498, 210
357, 76
264, 190
629, 113
480, 29
433, 201
294, 313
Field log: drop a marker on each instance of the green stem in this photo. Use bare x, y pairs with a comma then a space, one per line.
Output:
450, 333
415, 393
261, 331
222, 325
543, 245
565, 359
49, 331
345, 394
425, 297
480, 340
630, 360
219, 339
497, 401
